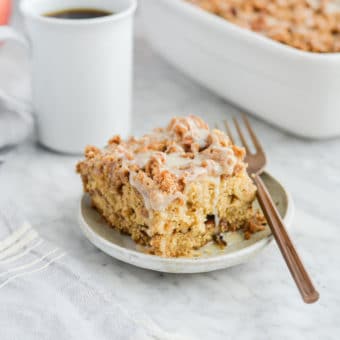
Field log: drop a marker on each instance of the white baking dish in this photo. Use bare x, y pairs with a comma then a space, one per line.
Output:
295, 90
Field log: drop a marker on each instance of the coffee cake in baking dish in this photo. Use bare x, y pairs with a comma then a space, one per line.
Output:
309, 25
172, 190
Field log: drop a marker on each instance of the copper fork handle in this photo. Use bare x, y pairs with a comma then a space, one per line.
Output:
294, 263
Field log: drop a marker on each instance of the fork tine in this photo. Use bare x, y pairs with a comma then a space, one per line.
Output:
243, 140
252, 134
229, 131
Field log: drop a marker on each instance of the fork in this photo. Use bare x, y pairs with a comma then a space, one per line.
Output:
256, 164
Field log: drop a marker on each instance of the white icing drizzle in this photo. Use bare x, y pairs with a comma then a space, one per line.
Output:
190, 169
199, 135
142, 158
154, 200
214, 158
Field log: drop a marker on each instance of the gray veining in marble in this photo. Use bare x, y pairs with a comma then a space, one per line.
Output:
257, 300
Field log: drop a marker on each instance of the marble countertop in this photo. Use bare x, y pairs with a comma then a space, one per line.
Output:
257, 300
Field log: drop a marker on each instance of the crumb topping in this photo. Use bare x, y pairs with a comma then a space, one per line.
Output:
159, 165
309, 25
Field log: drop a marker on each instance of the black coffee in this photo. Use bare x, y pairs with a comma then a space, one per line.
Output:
78, 13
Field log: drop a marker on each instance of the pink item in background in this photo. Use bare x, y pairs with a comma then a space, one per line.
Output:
5, 11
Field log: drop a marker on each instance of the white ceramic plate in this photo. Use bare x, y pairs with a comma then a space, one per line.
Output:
210, 256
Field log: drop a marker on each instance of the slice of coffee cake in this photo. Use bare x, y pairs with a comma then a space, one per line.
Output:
173, 189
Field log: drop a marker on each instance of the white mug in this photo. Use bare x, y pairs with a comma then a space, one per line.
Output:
81, 71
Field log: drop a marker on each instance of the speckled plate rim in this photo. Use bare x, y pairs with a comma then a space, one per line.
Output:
182, 265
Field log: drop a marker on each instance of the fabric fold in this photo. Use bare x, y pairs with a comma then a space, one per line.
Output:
45, 292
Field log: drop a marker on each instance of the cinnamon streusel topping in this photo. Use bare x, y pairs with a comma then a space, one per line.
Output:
160, 165
309, 25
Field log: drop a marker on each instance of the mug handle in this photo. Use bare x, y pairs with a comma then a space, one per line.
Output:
20, 106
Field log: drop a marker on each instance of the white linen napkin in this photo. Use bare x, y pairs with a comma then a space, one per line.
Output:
47, 294
16, 120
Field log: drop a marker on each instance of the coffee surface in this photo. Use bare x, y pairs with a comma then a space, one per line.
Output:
78, 13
